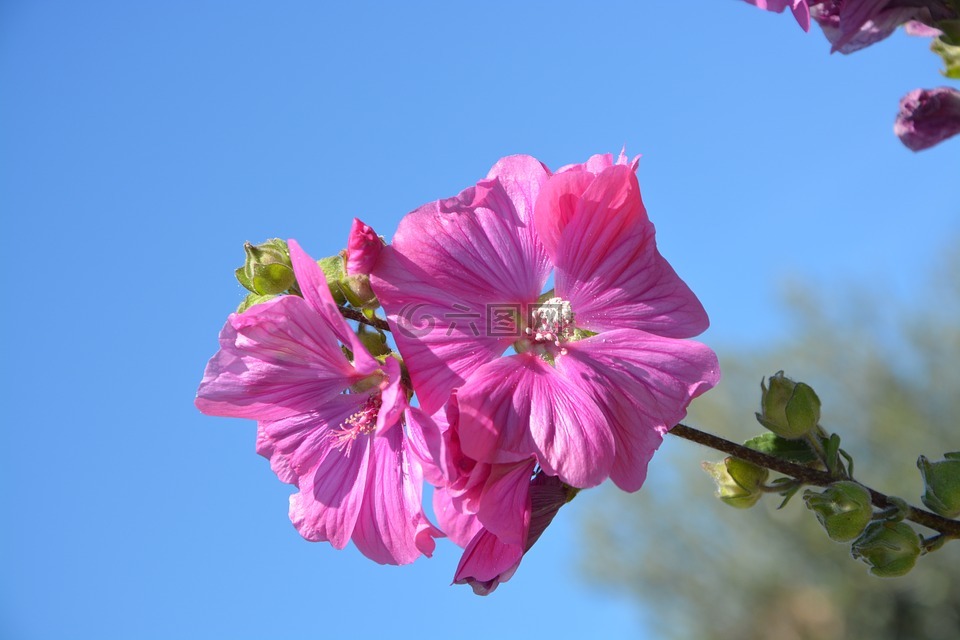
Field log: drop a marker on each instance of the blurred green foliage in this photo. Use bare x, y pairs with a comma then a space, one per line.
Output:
889, 380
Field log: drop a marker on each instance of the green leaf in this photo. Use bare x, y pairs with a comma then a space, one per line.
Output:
950, 55
798, 451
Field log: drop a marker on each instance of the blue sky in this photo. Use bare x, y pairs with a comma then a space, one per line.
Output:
142, 143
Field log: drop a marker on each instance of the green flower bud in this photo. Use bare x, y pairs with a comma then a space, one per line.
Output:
739, 483
844, 509
267, 269
358, 291
374, 341
332, 267
941, 483
890, 548
789, 409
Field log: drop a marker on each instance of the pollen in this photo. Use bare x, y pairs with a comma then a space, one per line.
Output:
551, 322
362, 422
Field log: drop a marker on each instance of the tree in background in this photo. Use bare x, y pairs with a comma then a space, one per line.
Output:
888, 379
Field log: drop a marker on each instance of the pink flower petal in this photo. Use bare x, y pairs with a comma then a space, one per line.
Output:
505, 505
518, 406
328, 504
295, 444
459, 525
313, 286
557, 203
276, 359
428, 444
391, 527
486, 562
644, 384
609, 269
393, 397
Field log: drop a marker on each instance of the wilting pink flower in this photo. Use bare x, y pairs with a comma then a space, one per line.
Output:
492, 557
928, 117
800, 9
599, 372
328, 425
495, 511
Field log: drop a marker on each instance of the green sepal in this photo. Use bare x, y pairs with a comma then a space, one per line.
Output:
252, 299
844, 509
890, 549
941, 484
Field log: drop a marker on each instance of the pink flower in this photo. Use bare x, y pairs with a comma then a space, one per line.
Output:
799, 8
928, 117
599, 372
328, 425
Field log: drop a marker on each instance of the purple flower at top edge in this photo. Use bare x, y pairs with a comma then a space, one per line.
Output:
599, 372
328, 425
800, 9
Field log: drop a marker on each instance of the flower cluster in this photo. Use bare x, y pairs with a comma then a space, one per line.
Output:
926, 117
523, 396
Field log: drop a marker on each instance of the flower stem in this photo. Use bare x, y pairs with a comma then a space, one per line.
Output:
356, 314
947, 527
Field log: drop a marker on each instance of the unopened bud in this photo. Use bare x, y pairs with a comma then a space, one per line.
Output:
739, 483
941, 483
374, 341
889, 548
363, 248
789, 409
332, 268
844, 509
358, 291
267, 269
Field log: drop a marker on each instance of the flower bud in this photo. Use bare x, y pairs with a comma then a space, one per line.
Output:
738, 482
374, 341
332, 268
363, 248
844, 509
890, 548
267, 269
789, 409
941, 483
358, 291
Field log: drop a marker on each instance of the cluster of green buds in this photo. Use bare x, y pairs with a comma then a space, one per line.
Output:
845, 508
267, 272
